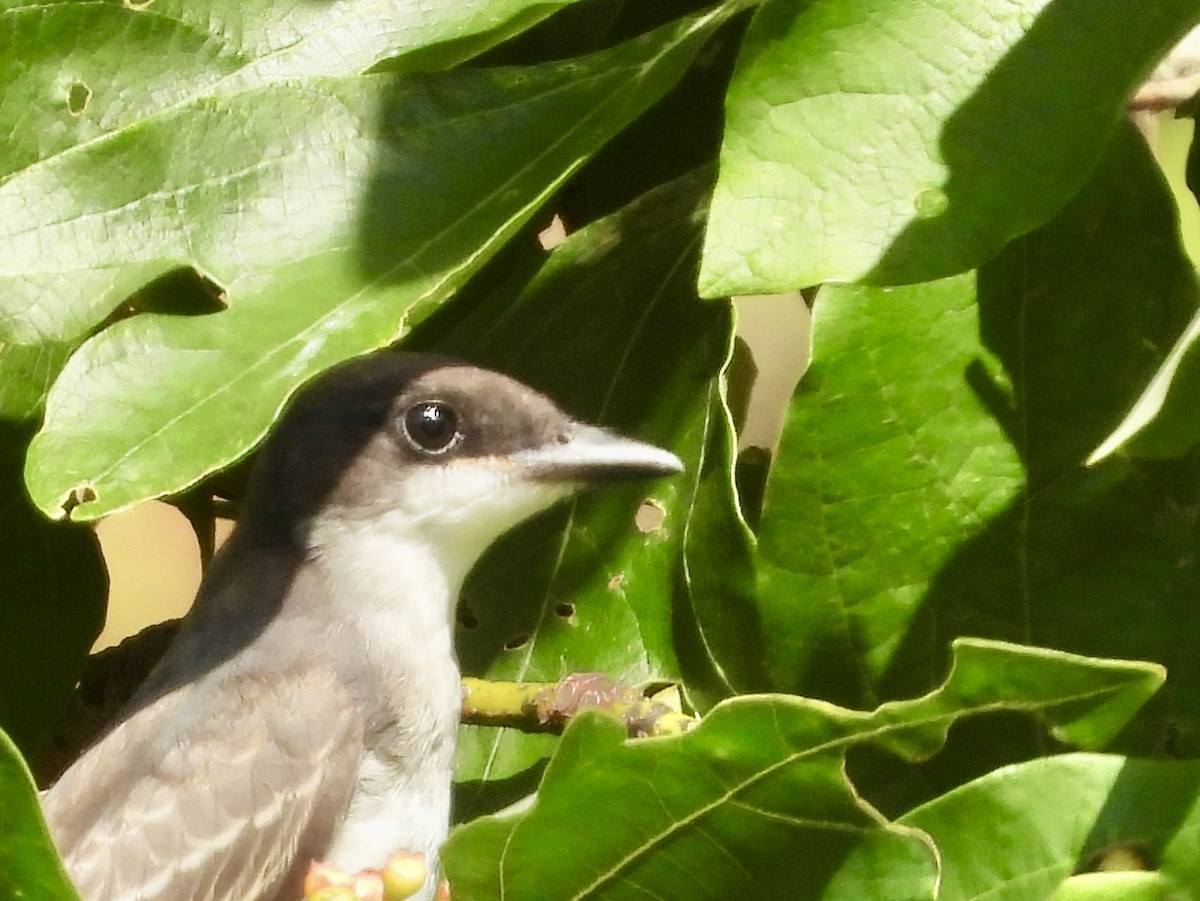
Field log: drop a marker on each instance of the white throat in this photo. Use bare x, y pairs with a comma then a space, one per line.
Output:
394, 577
396, 592
388, 578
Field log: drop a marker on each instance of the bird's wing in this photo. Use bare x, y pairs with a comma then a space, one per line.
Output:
222, 791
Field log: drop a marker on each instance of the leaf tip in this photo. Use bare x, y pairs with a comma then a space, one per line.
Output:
1106, 448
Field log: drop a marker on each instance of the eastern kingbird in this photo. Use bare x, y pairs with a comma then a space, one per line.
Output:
308, 707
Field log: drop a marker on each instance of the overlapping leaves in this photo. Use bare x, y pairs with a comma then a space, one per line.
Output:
331, 227
721, 812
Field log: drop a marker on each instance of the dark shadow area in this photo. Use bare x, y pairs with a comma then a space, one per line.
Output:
751, 474
583, 27
679, 134
478, 798
52, 597
180, 292
976, 745
108, 682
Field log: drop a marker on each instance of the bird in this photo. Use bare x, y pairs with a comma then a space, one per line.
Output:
308, 706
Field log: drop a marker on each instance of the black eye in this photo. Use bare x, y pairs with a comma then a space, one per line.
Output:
432, 426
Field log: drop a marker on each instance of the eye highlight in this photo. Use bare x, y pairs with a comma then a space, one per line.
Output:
431, 426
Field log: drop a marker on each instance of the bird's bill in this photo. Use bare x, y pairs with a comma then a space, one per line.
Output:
588, 454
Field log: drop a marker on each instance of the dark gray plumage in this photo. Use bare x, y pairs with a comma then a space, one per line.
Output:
308, 707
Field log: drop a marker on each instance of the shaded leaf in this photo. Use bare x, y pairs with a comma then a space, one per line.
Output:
887, 461
930, 480
611, 327
897, 144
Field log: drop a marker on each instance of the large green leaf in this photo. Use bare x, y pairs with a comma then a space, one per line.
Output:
66, 98
755, 802
888, 459
332, 230
612, 328
29, 866
129, 152
1020, 832
930, 480
898, 143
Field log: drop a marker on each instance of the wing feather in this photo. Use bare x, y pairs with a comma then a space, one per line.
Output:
222, 790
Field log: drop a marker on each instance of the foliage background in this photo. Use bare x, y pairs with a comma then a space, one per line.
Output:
901, 631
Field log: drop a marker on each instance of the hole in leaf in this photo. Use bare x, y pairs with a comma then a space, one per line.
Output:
649, 517
1120, 857
517, 641
137, 5
78, 96
553, 234
564, 610
82, 494
615, 583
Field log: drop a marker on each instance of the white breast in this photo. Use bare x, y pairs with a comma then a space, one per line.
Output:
394, 590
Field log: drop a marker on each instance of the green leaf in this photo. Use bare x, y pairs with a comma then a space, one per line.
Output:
26, 373
29, 865
1020, 832
902, 143
364, 207
145, 60
150, 144
611, 327
51, 605
1119, 886
930, 481
755, 802
888, 460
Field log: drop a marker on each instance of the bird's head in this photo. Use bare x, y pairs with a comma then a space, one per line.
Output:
450, 451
